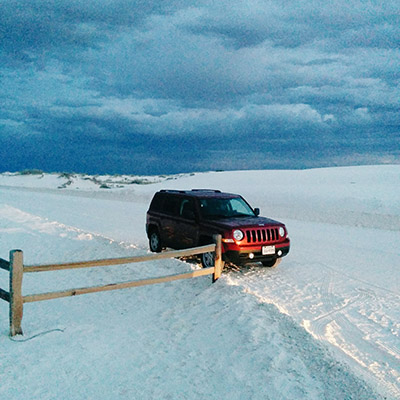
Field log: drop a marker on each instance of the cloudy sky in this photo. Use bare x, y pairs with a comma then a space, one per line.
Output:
157, 86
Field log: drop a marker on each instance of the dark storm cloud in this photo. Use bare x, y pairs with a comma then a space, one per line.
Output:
149, 80
294, 23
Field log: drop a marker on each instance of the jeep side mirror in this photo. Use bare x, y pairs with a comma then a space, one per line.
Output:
257, 211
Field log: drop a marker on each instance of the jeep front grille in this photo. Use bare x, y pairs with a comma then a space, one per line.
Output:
262, 235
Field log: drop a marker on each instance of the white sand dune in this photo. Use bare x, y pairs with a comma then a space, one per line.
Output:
325, 324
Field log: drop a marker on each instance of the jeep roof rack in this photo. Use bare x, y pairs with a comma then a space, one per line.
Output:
172, 191
192, 191
206, 190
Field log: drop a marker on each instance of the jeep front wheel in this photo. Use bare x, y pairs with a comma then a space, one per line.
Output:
207, 260
271, 263
155, 242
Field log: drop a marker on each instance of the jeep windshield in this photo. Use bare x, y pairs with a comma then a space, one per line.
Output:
214, 208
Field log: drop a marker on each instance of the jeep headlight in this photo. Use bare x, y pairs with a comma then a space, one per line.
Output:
238, 234
281, 231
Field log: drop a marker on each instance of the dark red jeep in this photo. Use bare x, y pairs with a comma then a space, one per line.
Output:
188, 218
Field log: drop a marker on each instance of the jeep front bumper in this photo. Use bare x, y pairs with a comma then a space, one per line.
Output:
242, 255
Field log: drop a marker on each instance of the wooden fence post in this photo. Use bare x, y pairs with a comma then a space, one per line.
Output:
16, 299
218, 263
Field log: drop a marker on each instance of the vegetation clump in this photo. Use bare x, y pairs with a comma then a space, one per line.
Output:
31, 172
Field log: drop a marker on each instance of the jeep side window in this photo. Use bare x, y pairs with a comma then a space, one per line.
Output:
186, 209
171, 205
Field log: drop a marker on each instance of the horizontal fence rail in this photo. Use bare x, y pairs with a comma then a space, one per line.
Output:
114, 286
17, 269
124, 260
4, 295
4, 264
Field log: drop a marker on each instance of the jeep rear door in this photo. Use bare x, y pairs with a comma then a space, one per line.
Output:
168, 222
187, 229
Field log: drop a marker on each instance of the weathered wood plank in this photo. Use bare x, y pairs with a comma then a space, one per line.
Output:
114, 286
218, 263
125, 260
16, 300
4, 264
4, 295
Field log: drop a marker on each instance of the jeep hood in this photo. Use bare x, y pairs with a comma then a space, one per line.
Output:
247, 222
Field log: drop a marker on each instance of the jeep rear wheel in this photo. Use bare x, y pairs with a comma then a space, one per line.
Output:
271, 263
207, 260
155, 242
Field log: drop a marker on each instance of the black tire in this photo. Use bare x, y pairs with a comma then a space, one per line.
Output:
271, 263
155, 242
207, 259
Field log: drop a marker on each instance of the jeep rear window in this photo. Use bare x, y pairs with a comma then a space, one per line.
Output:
156, 203
213, 208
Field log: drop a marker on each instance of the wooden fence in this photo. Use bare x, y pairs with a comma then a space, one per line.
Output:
17, 269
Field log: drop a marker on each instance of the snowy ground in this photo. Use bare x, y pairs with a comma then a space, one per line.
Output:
325, 324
